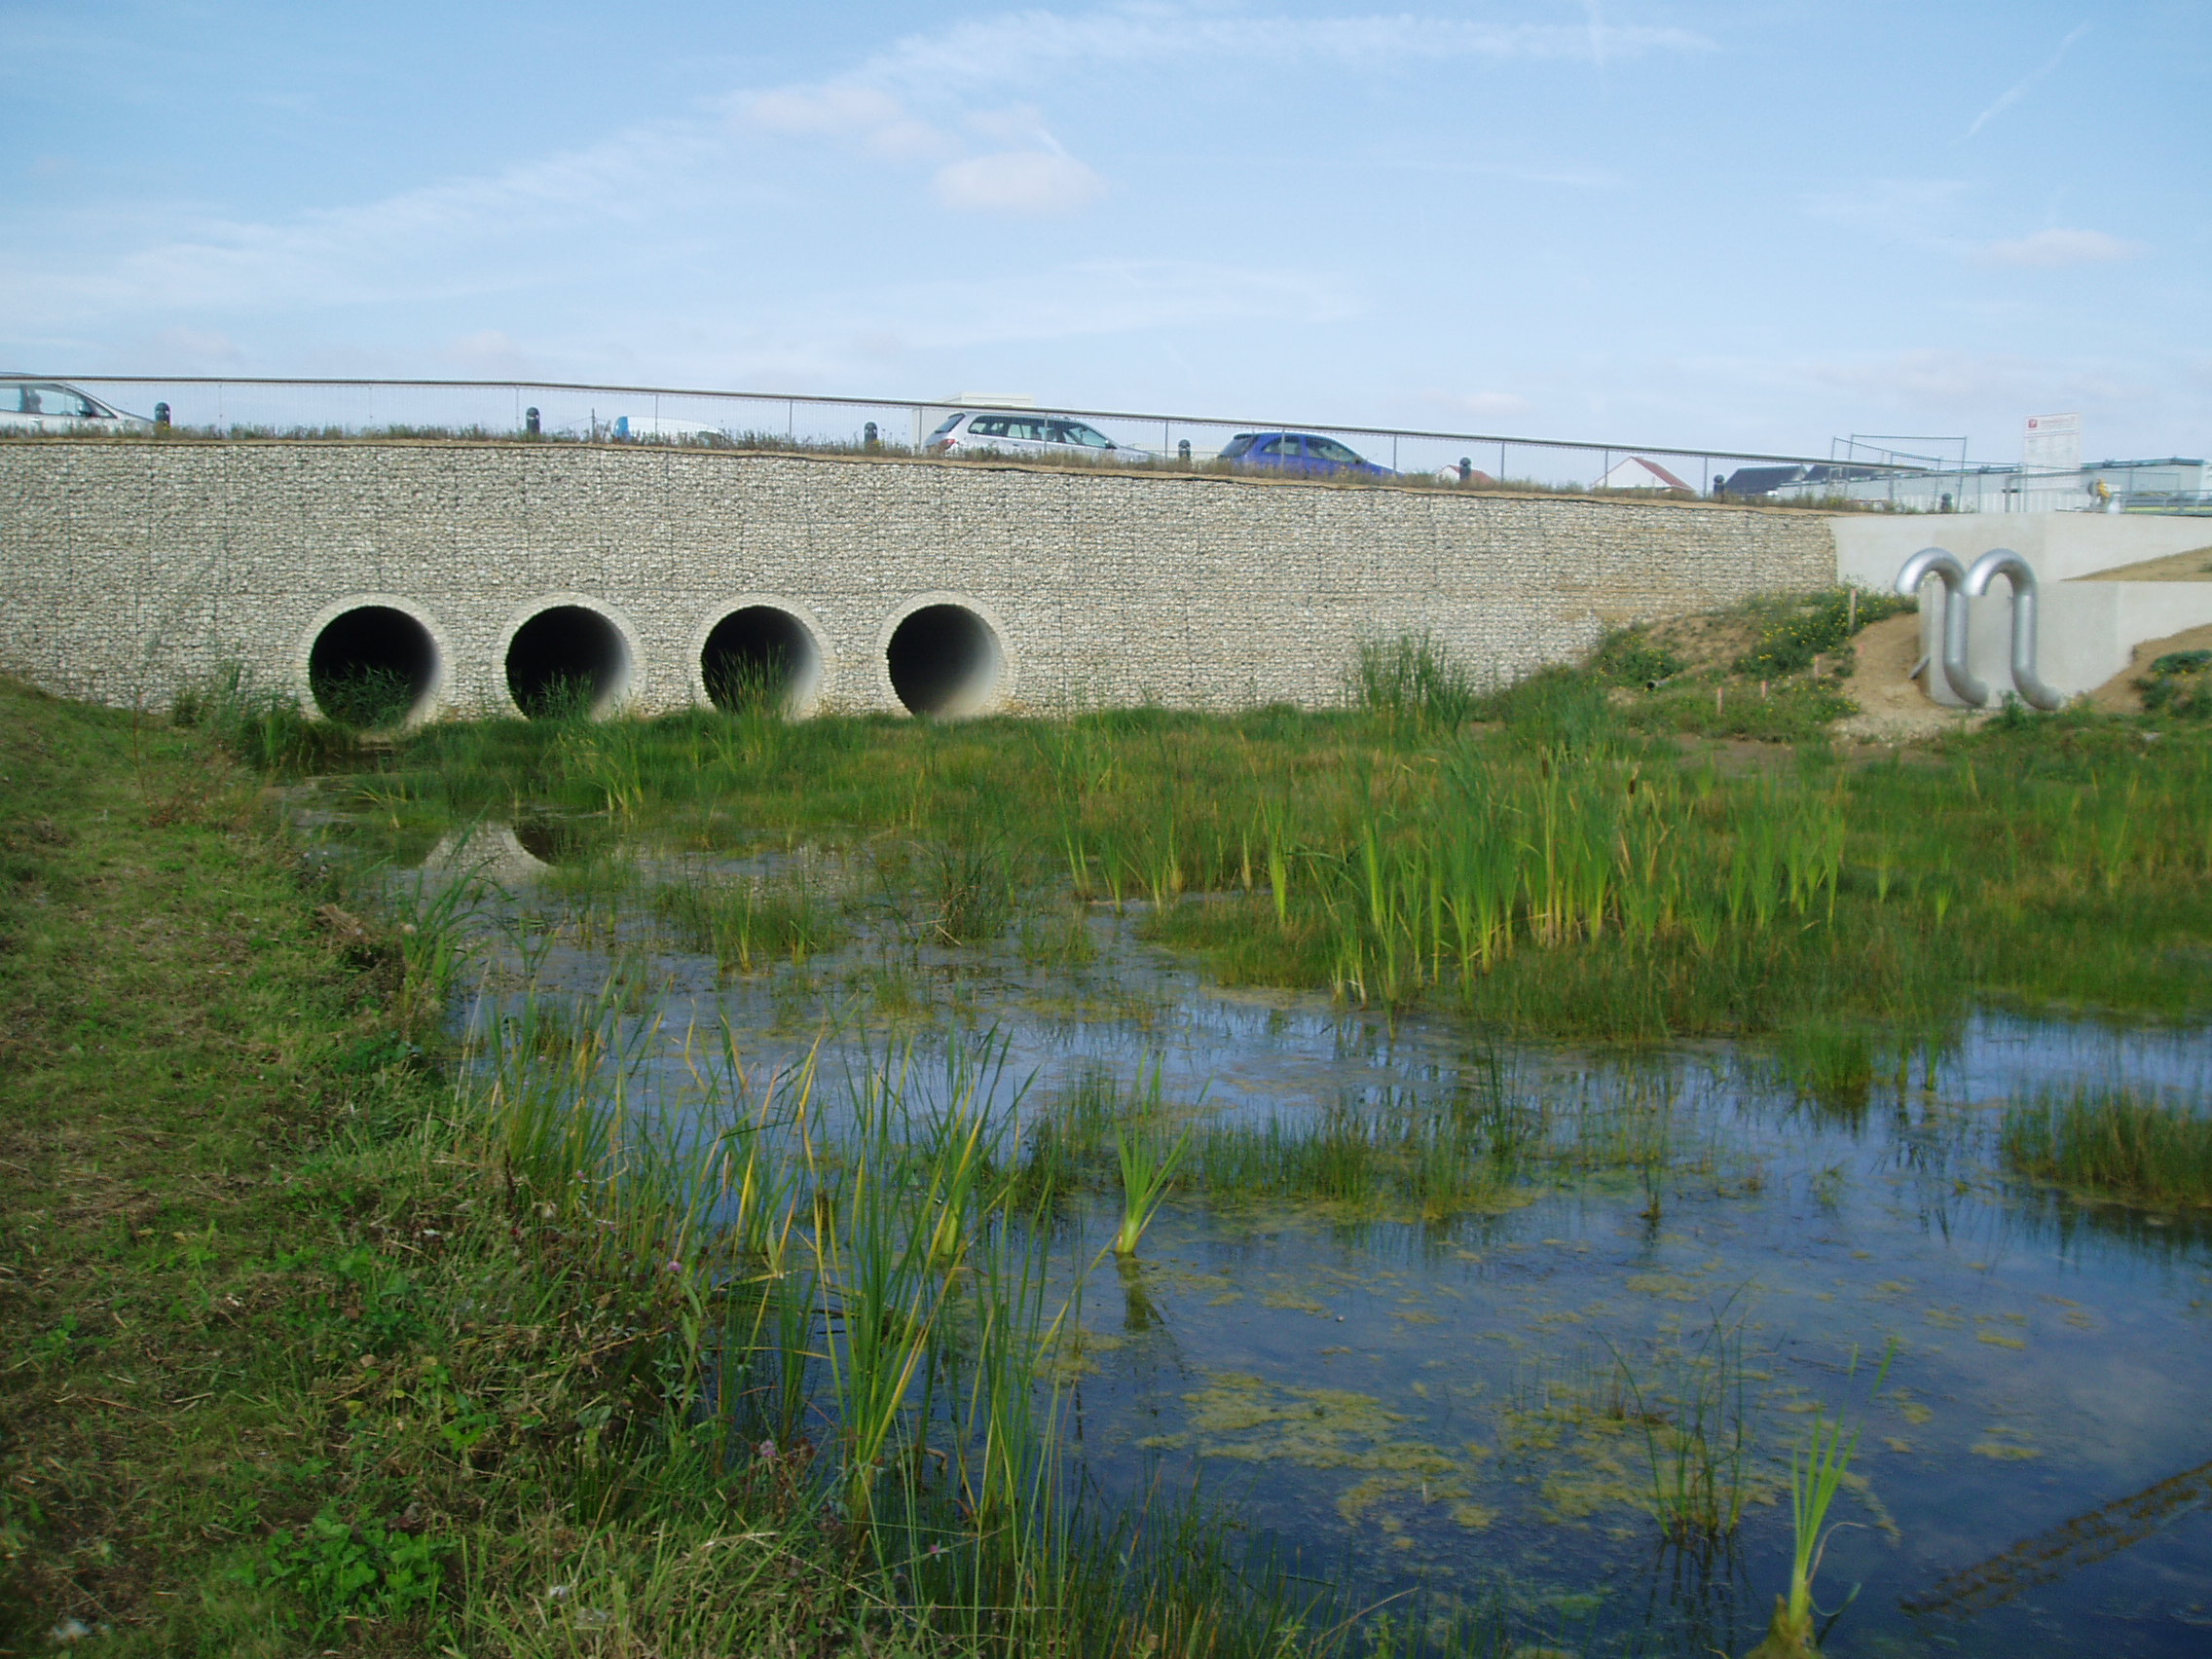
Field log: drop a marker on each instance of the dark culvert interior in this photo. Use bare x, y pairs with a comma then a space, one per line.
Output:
760, 657
372, 667
567, 660
945, 660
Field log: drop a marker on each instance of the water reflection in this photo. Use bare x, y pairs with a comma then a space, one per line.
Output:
1467, 1408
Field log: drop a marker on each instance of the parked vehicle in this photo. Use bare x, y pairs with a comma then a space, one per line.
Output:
49, 406
980, 433
1300, 451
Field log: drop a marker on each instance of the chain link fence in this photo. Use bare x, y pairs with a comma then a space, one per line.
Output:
558, 412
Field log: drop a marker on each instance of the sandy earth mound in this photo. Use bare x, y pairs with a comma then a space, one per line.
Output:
1893, 706
2195, 566
2119, 696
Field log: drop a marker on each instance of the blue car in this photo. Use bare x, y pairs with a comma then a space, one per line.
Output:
1300, 451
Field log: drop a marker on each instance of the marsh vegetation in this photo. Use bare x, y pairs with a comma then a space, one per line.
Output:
1409, 1178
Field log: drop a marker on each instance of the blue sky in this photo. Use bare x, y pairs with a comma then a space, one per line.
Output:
1725, 222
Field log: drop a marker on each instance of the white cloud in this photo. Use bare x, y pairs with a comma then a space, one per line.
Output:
1017, 181
1962, 385
865, 115
2048, 249
1017, 44
1916, 210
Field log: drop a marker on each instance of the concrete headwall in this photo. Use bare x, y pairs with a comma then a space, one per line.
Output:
131, 568
2086, 629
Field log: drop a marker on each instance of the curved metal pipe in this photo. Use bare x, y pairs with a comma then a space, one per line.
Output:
1935, 562
2004, 562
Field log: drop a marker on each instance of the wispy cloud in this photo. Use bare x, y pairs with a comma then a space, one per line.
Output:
2028, 82
2052, 248
1018, 46
1915, 210
1017, 181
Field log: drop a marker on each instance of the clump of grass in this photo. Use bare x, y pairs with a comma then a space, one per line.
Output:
2114, 1144
265, 729
1147, 1166
1411, 683
1697, 1436
2179, 684
1555, 710
744, 922
365, 699
1630, 656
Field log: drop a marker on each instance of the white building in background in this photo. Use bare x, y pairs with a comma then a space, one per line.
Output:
2050, 478
2174, 485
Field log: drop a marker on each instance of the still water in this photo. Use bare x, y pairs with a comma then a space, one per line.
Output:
1455, 1413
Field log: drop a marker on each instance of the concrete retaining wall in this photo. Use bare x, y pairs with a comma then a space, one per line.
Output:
128, 569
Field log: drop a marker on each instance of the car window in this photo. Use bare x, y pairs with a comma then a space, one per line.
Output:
1328, 448
1236, 446
59, 400
987, 426
1075, 432
946, 425
1277, 446
1029, 432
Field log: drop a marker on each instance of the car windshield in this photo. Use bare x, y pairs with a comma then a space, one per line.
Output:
49, 400
1236, 446
1328, 448
946, 425
1075, 432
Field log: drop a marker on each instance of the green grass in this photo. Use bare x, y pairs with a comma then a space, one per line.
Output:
1535, 858
2113, 1145
318, 1337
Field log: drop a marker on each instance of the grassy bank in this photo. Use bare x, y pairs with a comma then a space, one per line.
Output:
1538, 860
307, 1348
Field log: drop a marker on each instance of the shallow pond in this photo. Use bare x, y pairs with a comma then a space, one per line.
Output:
1473, 1411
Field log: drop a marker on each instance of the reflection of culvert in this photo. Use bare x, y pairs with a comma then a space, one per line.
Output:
552, 839
372, 667
945, 660
568, 659
760, 658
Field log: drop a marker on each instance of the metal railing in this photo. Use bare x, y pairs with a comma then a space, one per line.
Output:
554, 411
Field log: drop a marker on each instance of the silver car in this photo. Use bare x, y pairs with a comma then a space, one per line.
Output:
49, 406
992, 432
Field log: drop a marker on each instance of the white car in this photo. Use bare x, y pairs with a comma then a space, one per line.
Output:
991, 432
49, 406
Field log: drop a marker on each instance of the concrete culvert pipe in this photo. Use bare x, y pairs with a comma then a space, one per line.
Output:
373, 667
568, 659
945, 660
760, 658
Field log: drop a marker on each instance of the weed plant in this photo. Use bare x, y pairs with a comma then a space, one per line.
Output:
2108, 1143
1545, 867
1792, 632
2179, 686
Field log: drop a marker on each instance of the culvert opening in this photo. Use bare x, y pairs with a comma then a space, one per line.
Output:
760, 658
567, 660
372, 667
945, 660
